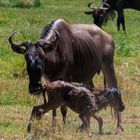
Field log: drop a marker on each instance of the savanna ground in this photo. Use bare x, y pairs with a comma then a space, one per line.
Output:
16, 103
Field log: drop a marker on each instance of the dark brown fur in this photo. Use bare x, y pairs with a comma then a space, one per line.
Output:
78, 98
80, 52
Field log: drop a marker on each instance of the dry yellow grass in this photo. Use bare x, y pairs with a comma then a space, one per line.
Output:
14, 117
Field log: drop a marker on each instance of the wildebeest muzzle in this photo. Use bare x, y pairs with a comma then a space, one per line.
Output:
34, 68
35, 88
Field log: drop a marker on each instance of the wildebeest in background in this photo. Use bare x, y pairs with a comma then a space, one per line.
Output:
81, 100
107, 8
98, 14
70, 52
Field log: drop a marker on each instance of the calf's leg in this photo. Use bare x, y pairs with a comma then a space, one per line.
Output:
119, 125
64, 113
44, 97
38, 111
100, 122
86, 123
54, 116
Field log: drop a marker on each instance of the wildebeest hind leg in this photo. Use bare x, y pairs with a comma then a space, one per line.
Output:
109, 73
110, 76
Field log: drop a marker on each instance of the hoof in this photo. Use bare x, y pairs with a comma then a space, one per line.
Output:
80, 129
122, 108
90, 135
28, 129
119, 130
100, 133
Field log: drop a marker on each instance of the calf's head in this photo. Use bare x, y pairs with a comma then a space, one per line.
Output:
34, 59
117, 99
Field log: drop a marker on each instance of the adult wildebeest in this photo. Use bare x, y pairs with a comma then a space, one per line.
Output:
81, 100
107, 7
70, 52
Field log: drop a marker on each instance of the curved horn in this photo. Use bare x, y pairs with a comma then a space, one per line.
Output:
103, 8
17, 47
50, 44
89, 5
58, 35
106, 4
41, 42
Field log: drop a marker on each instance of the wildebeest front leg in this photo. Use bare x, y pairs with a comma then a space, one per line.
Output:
120, 19
109, 72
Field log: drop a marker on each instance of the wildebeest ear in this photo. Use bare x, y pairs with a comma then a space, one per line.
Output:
41, 42
103, 9
47, 46
51, 43
57, 35
19, 48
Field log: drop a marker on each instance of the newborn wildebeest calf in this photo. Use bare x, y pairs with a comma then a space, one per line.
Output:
84, 101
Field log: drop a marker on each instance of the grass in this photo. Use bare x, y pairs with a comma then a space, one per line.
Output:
20, 3
15, 101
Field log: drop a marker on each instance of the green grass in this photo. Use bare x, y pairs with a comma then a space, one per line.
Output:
20, 3
15, 101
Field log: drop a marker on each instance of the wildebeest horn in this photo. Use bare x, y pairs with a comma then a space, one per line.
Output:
89, 5
42, 42
49, 44
17, 47
57, 34
103, 8
107, 4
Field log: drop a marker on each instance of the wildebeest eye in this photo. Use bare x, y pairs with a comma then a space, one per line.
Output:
48, 47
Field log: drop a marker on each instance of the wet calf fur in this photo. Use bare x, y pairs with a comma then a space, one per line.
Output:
81, 100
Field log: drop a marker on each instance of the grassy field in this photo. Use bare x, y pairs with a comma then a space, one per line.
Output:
16, 103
